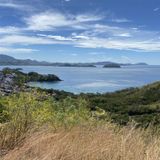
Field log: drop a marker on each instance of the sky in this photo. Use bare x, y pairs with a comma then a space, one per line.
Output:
125, 31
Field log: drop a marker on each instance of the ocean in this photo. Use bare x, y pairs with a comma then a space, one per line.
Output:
95, 80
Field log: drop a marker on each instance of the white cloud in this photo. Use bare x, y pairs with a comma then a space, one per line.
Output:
94, 35
51, 20
124, 35
24, 40
55, 37
96, 53
122, 20
74, 54
88, 18
143, 46
10, 30
17, 6
90, 42
156, 9
16, 50
11, 5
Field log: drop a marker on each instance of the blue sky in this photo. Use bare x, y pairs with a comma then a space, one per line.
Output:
126, 31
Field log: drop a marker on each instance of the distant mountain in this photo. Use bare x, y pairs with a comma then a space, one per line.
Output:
5, 59
8, 60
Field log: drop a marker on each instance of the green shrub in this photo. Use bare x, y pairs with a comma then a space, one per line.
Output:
26, 111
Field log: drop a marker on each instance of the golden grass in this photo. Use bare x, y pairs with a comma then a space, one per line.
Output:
105, 142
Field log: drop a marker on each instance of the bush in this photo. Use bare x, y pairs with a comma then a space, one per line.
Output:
26, 111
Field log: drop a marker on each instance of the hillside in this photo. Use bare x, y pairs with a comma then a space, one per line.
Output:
141, 105
37, 124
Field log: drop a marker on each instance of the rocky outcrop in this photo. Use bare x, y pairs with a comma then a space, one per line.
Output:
13, 80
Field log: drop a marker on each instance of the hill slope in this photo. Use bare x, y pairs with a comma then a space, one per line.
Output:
139, 104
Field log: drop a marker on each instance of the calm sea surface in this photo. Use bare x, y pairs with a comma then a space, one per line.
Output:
92, 80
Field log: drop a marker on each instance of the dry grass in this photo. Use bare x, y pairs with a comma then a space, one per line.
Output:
88, 143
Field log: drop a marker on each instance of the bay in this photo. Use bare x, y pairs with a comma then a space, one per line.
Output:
95, 80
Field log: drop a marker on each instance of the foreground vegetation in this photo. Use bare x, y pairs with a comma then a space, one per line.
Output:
22, 112
104, 142
141, 105
41, 125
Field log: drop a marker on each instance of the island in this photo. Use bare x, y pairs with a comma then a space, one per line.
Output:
112, 65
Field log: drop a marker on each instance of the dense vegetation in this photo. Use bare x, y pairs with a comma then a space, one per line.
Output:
138, 105
25, 113
141, 105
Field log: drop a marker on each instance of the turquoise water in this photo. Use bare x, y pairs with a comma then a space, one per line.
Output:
92, 80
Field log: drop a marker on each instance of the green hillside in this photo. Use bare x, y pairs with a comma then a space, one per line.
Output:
141, 105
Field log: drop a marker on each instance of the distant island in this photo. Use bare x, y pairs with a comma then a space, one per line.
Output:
6, 60
112, 65
135, 64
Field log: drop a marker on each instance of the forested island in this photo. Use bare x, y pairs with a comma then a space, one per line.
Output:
112, 65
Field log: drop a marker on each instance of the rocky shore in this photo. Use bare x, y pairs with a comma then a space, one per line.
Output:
14, 81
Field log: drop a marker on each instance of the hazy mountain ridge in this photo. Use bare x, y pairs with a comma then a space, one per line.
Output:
8, 60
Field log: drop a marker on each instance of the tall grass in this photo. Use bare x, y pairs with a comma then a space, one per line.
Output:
88, 143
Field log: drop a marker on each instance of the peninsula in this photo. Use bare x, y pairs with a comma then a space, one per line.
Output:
14, 81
